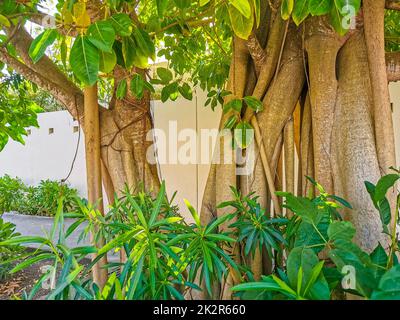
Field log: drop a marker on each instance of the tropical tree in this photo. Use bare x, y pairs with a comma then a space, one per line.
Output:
309, 76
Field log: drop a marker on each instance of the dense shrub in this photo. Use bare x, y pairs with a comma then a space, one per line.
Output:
8, 253
313, 255
35, 200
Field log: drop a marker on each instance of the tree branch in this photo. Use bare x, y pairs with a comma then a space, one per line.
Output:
73, 102
50, 75
392, 4
393, 66
256, 51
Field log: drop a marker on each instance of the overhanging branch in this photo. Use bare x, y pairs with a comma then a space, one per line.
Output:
49, 73
72, 101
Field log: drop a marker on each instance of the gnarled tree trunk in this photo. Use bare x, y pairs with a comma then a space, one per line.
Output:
342, 141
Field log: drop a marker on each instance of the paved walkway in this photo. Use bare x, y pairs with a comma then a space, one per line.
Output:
28, 225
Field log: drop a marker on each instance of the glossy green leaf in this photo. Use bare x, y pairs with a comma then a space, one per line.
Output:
137, 86
39, 45
235, 105
287, 9
241, 25
102, 35
161, 7
254, 103
164, 74
144, 43
300, 11
186, 91
107, 61
84, 60
121, 89
341, 230
243, 6
244, 134
122, 24
129, 51
320, 7
336, 19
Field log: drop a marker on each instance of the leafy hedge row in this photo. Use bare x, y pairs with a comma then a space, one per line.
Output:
34, 200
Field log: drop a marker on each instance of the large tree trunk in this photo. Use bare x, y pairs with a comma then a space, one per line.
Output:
342, 142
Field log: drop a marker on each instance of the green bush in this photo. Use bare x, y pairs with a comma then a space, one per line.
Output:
164, 253
8, 253
312, 253
38, 200
322, 256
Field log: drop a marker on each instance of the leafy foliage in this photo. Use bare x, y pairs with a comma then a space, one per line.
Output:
7, 252
320, 250
17, 110
163, 253
40, 200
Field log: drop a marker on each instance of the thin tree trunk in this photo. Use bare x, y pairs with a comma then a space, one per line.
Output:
93, 171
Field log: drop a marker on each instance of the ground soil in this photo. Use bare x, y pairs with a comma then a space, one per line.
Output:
14, 285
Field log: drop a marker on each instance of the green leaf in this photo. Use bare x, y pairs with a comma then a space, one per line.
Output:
343, 4
336, 19
300, 11
204, 2
137, 86
164, 74
107, 61
230, 123
300, 257
267, 284
243, 6
235, 104
144, 43
253, 103
380, 259
71, 277
287, 9
129, 51
244, 134
320, 7
257, 11
169, 92
383, 185
182, 4
121, 89
63, 52
40, 44
84, 60
157, 204
193, 213
241, 25
102, 35
380, 202
186, 91
341, 230
304, 207
30, 261
4, 21
122, 24
24, 240
161, 6
389, 286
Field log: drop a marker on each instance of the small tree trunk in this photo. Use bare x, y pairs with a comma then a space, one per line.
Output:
93, 170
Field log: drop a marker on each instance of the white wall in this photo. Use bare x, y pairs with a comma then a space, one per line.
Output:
49, 156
